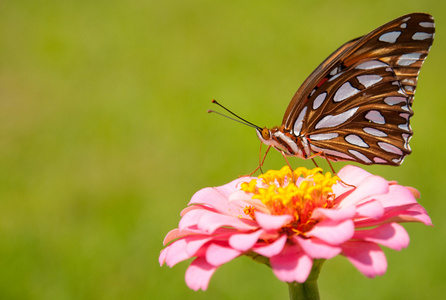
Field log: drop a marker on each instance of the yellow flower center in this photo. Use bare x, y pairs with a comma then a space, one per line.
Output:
296, 193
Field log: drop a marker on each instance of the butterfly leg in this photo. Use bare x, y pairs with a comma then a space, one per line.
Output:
317, 154
289, 166
329, 163
261, 161
334, 172
322, 154
287, 162
312, 159
260, 157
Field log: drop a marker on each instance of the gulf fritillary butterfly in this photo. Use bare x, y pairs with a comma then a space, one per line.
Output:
356, 105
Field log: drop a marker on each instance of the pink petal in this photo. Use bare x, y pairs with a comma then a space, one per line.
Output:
176, 234
333, 233
217, 197
272, 249
176, 252
407, 213
234, 185
195, 245
316, 248
292, 264
341, 191
240, 195
334, 214
192, 207
397, 196
199, 273
236, 209
244, 242
191, 218
211, 221
243, 199
412, 213
367, 257
370, 186
211, 197
371, 209
217, 255
238, 200
170, 236
272, 222
162, 257
414, 192
353, 175
185, 248
390, 235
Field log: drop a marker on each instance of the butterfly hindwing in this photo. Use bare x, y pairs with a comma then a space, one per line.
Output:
345, 127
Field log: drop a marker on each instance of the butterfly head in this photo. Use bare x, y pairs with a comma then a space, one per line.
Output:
265, 136
281, 140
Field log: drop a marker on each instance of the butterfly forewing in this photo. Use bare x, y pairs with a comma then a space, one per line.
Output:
403, 44
357, 104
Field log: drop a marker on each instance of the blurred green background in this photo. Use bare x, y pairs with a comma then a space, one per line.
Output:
104, 137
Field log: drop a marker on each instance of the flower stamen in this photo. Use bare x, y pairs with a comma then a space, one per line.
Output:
249, 211
296, 193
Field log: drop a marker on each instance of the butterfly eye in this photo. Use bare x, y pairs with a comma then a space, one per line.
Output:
266, 134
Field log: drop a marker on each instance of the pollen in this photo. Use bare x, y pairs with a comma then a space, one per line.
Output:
295, 193
249, 211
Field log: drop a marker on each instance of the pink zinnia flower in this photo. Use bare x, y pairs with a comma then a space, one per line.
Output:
294, 218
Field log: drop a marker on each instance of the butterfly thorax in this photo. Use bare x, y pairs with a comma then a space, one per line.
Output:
284, 141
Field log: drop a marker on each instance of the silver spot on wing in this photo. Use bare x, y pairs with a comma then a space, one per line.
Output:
390, 37
335, 120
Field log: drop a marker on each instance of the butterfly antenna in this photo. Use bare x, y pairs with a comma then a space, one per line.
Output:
233, 119
239, 119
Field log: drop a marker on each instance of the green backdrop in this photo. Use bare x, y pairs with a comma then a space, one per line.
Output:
104, 137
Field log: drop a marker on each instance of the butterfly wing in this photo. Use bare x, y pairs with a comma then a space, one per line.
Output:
357, 104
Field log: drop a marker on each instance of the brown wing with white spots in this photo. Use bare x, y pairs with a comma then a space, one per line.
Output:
357, 104
375, 130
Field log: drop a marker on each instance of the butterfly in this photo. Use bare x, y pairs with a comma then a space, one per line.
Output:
356, 105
